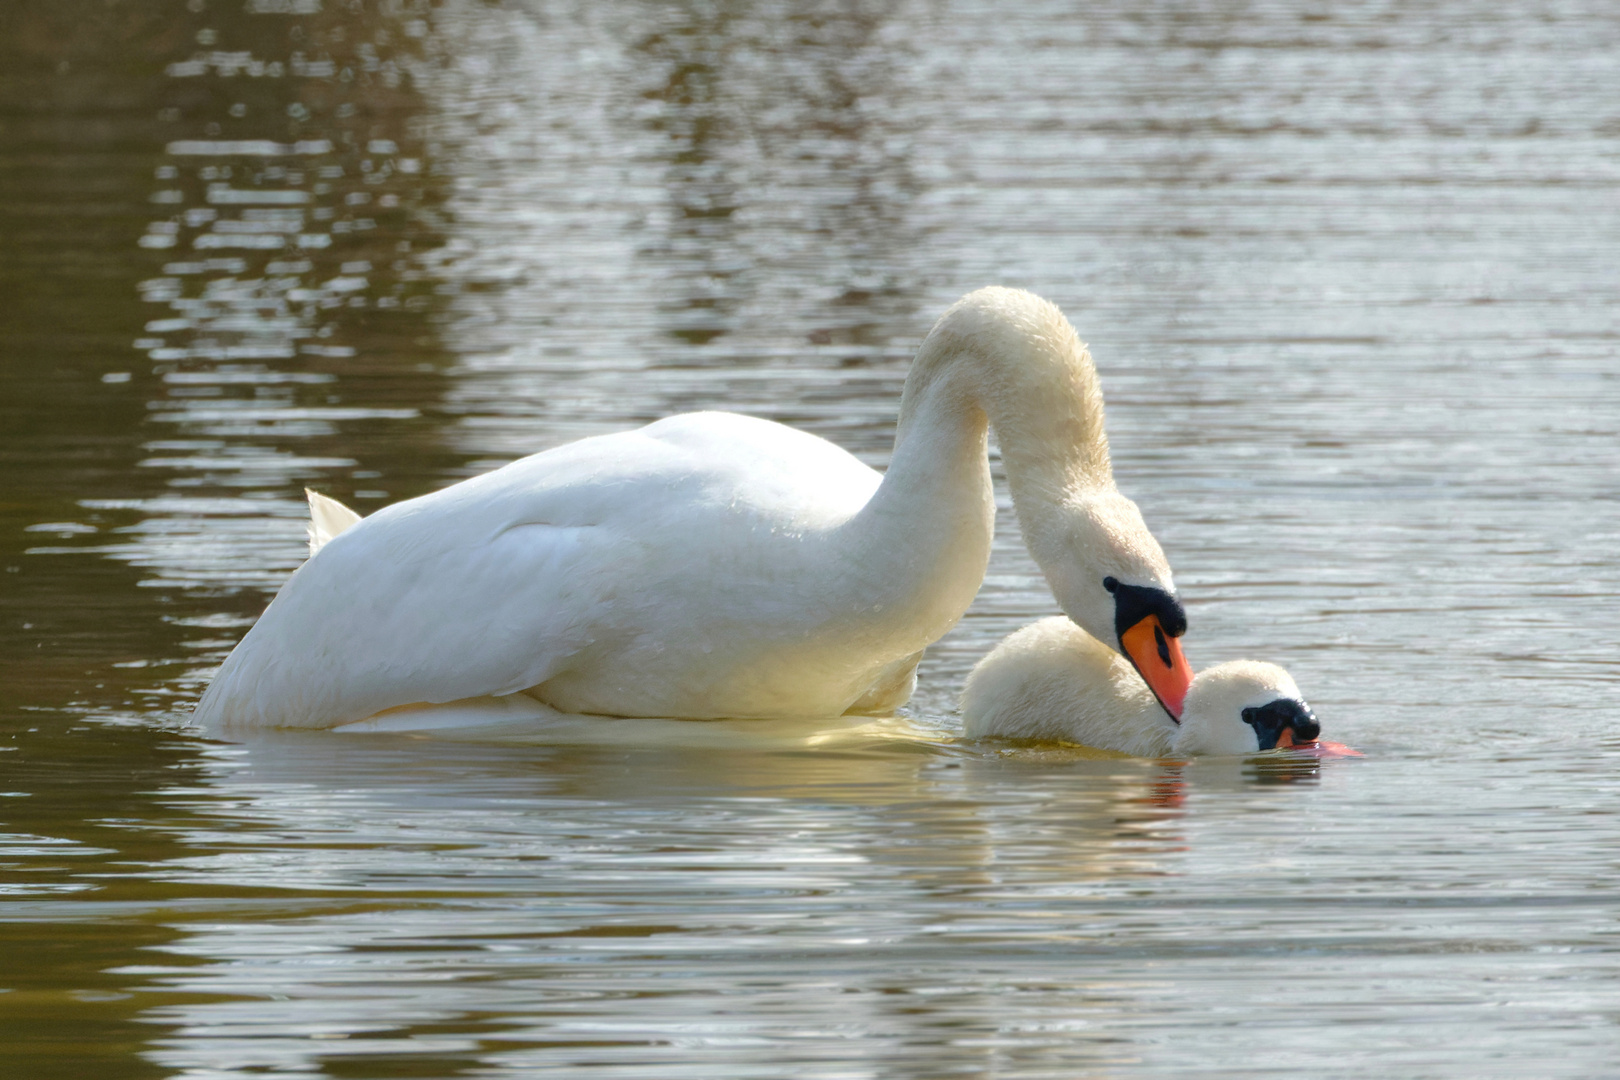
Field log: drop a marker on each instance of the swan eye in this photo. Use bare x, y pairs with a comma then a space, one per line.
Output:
1110, 583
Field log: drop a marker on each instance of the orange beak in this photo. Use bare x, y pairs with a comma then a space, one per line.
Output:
1158, 658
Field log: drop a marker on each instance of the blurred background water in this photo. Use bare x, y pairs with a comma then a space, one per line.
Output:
1349, 273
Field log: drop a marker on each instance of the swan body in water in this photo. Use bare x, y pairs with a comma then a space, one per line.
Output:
713, 565
1052, 682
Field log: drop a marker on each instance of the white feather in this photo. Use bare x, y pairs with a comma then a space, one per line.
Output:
709, 565
327, 518
1053, 682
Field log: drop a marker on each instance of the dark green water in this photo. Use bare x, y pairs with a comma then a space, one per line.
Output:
1349, 274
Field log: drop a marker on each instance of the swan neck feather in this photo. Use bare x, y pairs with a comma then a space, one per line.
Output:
1015, 358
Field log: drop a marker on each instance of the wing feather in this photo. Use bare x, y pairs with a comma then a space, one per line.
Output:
327, 518
351, 634
500, 582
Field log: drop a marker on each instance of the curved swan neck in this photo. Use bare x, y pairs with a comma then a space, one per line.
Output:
1013, 358
1006, 359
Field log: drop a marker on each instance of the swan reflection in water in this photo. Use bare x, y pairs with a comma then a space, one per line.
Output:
454, 885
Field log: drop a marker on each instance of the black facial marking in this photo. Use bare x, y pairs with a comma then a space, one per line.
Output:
1164, 646
1133, 603
1270, 720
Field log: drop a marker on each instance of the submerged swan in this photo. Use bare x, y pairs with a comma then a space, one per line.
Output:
1052, 681
714, 565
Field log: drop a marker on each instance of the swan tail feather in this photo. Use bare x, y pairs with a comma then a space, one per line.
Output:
327, 518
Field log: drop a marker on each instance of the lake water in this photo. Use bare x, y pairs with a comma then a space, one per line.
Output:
1349, 273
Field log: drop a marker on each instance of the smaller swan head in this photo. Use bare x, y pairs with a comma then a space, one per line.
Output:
1111, 578
1242, 707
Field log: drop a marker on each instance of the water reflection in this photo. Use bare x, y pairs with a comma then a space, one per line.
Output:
681, 207
551, 887
785, 134
475, 910
77, 815
703, 198
1348, 276
288, 303
287, 204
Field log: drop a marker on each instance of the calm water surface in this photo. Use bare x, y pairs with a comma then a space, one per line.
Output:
1349, 274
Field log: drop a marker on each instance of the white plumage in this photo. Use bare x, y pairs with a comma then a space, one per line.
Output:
710, 564
327, 518
1053, 682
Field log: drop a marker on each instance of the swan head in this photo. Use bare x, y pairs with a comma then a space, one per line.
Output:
1242, 707
1112, 580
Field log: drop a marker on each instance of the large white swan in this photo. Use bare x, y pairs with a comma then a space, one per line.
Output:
715, 565
1053, 682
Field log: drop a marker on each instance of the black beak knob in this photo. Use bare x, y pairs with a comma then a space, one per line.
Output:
1285, 714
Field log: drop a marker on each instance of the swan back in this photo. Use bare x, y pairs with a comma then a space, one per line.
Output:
1053, 682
